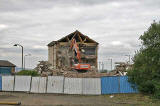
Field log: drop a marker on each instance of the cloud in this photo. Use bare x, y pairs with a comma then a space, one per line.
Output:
23, 5
39, 47
3, 26
116, 43
115, 24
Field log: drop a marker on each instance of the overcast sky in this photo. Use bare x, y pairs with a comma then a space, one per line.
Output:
115, 24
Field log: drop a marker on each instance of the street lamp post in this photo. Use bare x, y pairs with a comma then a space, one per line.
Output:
102, 66
111, 63
25, 59
22, 52
99, 66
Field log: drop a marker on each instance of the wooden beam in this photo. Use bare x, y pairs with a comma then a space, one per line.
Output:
80, 37
67, 38
74, 36
63, 43
85, 39
88, 44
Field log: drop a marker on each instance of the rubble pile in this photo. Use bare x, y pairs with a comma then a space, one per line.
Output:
76, 74
46, 69
121, 68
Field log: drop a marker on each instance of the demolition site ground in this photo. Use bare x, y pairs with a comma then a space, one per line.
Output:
27, 99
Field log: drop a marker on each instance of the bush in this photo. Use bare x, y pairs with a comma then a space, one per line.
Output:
28, 72
104, 71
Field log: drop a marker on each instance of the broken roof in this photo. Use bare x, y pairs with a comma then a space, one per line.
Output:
76, 35
5, 63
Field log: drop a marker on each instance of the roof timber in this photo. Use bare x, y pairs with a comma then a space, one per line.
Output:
67, 38
78, 36
87, 44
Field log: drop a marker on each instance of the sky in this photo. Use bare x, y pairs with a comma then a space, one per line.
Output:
115, 24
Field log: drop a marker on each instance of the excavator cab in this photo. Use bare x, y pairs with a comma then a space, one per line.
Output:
82, 66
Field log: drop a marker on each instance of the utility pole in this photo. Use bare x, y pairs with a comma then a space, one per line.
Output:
25, 59
99, 66
102, 66
111, 63
22, 52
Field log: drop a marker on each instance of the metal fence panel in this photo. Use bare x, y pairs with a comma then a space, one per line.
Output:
7, 83
38, 84
55, 84
42, 84
73, 86
0, 83
110, 85
22, 83
91, 86
35, 85
125, 86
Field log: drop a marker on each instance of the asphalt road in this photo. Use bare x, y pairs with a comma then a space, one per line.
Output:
27, 99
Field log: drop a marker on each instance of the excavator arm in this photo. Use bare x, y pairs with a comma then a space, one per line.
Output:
79, 66
75, 47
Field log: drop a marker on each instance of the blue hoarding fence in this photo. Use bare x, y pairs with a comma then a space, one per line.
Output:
0, 83
109, 85
125, 86
116, 84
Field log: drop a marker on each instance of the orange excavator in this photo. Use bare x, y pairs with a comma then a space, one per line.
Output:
79, 66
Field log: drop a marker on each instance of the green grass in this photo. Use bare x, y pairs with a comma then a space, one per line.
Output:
28, 72
132, 100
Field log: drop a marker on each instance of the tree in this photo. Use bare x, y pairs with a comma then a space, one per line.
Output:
146, 68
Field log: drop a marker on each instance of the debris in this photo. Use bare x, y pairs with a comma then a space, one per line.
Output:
111, 96
121, 68
44, 68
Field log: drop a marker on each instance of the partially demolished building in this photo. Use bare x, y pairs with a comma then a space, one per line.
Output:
60, 56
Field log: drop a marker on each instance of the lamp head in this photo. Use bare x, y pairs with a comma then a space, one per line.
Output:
15, 45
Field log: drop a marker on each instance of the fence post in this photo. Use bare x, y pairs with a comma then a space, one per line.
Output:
46, 83
14, 83
119, 84
30, 85
63, 83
